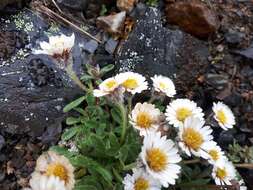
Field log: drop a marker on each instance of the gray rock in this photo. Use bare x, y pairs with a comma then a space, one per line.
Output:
111, 45
90, 46
247, 53
233, 37
153, 49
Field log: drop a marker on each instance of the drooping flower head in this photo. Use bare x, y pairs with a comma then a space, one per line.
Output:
160, 156
178, 110
164, 85
41, 182
140, 180
145, 117
223, 115
194, 136
51, 164
214, 154
132, 82
58, 47
223, 173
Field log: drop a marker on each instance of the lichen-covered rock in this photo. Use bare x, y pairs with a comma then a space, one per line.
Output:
33, 90
153, 49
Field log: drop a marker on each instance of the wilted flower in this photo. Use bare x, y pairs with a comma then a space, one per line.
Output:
160, 156
194, 136
140, 180
41, 182
58, 46
52, 164
132, 82
223, 173
223, 115
145, 117
213, 152
178, 110
164, 85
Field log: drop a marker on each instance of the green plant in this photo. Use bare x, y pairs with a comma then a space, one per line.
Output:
239, 154
104, 153
152, 3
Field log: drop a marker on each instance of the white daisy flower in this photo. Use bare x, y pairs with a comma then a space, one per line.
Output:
140, 180
164, 84
106, 87
194, 136
178, 110
213, 152
223, 115
58, 46
132, 82
160, 156
52, 164
41, 182
223, 173
145, 117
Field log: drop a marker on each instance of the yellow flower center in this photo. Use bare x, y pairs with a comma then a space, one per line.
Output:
141, 184
130, 83
144, 120
162, 85
222, 117
111, 84
221, 173
156, 159
214, 154
57, 170
183, 113
192, 138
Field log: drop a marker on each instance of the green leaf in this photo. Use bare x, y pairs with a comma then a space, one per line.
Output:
73, 104
83, 161
69, 133
91, 100
116, 115
85, 187
86, 77
106, 69
72, 120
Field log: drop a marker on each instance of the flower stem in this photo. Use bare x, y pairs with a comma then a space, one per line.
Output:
75, 78
123, 112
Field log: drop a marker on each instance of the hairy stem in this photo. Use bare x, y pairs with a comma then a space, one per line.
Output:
124, 123
75, 78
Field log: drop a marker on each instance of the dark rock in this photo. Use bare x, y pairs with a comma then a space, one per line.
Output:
4, 3
219, 81
247, 53
153, 49
33, 90
193, 17
233, 37
7, 44
78, 5
2, 142
226, 138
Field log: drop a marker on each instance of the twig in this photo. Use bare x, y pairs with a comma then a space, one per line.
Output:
55, 4
44, 10
191, 161
244, 165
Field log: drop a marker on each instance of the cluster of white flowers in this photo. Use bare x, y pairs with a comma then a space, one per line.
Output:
52, 172
160, 156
